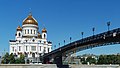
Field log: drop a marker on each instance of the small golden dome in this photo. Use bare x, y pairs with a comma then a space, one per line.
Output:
30, 20
44, 30
19, 28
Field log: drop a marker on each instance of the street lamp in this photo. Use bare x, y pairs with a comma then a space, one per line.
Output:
64, 42
93, 29
82, 34
59, 45
108, 24
70, 39
54, 46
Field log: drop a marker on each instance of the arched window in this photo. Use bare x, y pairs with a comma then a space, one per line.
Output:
40, 41
33, 55
12, 48
40, 48
26, 55
44, 36
48, 50
19, 48
33, 40
26, 48
25, 31
31, 31
28, 31
34, 31
19, 34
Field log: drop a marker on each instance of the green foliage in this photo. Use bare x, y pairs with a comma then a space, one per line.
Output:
91, 60
88, 59
28, 61
83, 60
109, 59
11, 59
17, 61
5, 58
102, 59
22, 57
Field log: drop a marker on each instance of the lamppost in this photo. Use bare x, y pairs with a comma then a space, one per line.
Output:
54, 46
93, 29
108, 24
82, 34
64, 42
59, 45
70, 39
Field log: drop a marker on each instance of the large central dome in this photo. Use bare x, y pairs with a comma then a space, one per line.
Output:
30, 20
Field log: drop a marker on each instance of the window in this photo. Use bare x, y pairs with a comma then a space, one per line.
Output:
31, 31
33, 55
12, 48
33, 48
44, 42
25, 31
34, 31
26, 55
40, 41
19, 34
44, 49
26, 40
48, 49
19, 48
40, 48
28, 31
44, 36
33, 40
26, 48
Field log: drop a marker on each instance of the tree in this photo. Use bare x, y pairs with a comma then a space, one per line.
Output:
22, 57
11, 58
5, 58
91, 60
102, 59
83, 60
17, 61
20, 60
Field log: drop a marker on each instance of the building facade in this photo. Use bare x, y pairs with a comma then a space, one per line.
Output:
29, 41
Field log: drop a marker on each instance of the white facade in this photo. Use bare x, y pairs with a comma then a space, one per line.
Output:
29, 41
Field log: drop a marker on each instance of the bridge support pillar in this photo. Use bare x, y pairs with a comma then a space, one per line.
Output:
58, 60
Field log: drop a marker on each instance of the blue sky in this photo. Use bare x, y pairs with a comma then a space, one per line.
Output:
62, 18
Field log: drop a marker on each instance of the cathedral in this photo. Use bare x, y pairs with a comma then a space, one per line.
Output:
29, 41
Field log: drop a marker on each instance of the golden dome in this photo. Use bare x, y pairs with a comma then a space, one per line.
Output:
44, 30
30, 20
19, 28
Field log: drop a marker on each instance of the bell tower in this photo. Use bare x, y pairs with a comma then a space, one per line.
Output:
18, 33
44, 33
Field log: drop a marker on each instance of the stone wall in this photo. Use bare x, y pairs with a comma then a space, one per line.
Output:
55, 66
28, 66
94, 66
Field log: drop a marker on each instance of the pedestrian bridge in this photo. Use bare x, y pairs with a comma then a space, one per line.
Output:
59, 55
